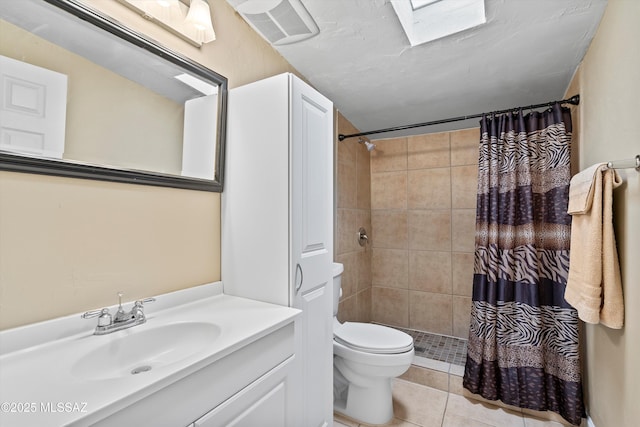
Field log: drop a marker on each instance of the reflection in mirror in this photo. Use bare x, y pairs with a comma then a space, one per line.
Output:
84, 96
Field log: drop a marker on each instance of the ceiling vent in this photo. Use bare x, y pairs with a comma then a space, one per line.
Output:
278, 21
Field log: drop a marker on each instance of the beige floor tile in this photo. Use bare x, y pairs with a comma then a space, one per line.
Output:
393, 423
423, 406
542, 416
536, 422
340, 420
483, 412
452, 420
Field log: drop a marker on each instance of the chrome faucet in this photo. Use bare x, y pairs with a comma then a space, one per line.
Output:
121, 320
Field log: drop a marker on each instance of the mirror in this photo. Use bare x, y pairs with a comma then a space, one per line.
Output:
83, 96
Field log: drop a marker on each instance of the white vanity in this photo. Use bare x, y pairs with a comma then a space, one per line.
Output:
202, 359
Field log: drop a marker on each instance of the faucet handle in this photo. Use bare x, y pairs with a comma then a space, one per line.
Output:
141, 302
103, 315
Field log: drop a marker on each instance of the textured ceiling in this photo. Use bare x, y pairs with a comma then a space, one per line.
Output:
525, 54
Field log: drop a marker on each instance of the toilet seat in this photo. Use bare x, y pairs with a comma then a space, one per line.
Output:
371, 338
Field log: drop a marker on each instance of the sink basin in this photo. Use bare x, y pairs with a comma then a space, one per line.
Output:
135, 352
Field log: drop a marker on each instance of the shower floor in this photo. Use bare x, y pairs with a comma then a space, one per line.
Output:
438, 347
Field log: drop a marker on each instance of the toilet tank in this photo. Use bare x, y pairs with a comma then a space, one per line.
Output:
337, 285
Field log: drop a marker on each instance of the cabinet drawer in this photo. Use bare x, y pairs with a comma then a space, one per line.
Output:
262, 403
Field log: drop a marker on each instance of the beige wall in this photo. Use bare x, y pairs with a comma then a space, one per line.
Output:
423, 198
353, 203
609, 82
69, 245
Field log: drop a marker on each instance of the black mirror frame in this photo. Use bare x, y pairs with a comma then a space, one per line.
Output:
36, 165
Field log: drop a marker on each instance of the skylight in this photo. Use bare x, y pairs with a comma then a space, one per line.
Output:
427, 20
417, 4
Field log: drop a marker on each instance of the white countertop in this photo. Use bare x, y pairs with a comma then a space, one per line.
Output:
37, 382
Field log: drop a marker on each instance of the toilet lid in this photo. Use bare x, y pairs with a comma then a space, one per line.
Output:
372, 338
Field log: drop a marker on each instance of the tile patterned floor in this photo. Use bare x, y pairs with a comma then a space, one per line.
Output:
438, 347
416, 405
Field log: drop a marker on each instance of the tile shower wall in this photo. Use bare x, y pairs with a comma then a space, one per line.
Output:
353, 202
423, 198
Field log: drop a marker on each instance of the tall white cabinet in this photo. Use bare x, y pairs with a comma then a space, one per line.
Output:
277, 221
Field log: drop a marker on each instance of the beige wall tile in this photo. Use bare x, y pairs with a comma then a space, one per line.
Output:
429, 189
389, 229
363, 180
364, 305
427, 377
346, 185
389, 190
464, 186
347, 149
389, 155
389, 306
364, 269
461, 316
390, 268
462, 273
348, 309
463, 225
346, 231
363, 219
430, 271
430, 312
428, 151
429, 230
349, 281
464, 147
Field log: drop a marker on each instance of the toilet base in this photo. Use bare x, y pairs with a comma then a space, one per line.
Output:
371, 405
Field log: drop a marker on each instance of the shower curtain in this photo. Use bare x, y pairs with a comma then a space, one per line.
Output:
523, 338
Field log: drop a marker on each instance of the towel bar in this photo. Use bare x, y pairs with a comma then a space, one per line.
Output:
625, 164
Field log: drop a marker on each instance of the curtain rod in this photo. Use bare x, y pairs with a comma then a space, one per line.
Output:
574, 100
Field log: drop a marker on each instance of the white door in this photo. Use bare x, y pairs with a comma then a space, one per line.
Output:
33, 104
312, 246
199, 141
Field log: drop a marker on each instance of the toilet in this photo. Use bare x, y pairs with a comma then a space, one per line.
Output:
366, 357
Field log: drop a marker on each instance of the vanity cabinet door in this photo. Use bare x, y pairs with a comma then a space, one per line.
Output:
312, 247
263, 403
277, 221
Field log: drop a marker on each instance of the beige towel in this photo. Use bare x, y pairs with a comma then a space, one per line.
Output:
581, 189
594, 286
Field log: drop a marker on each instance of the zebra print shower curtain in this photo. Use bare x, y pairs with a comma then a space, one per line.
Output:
523, 339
